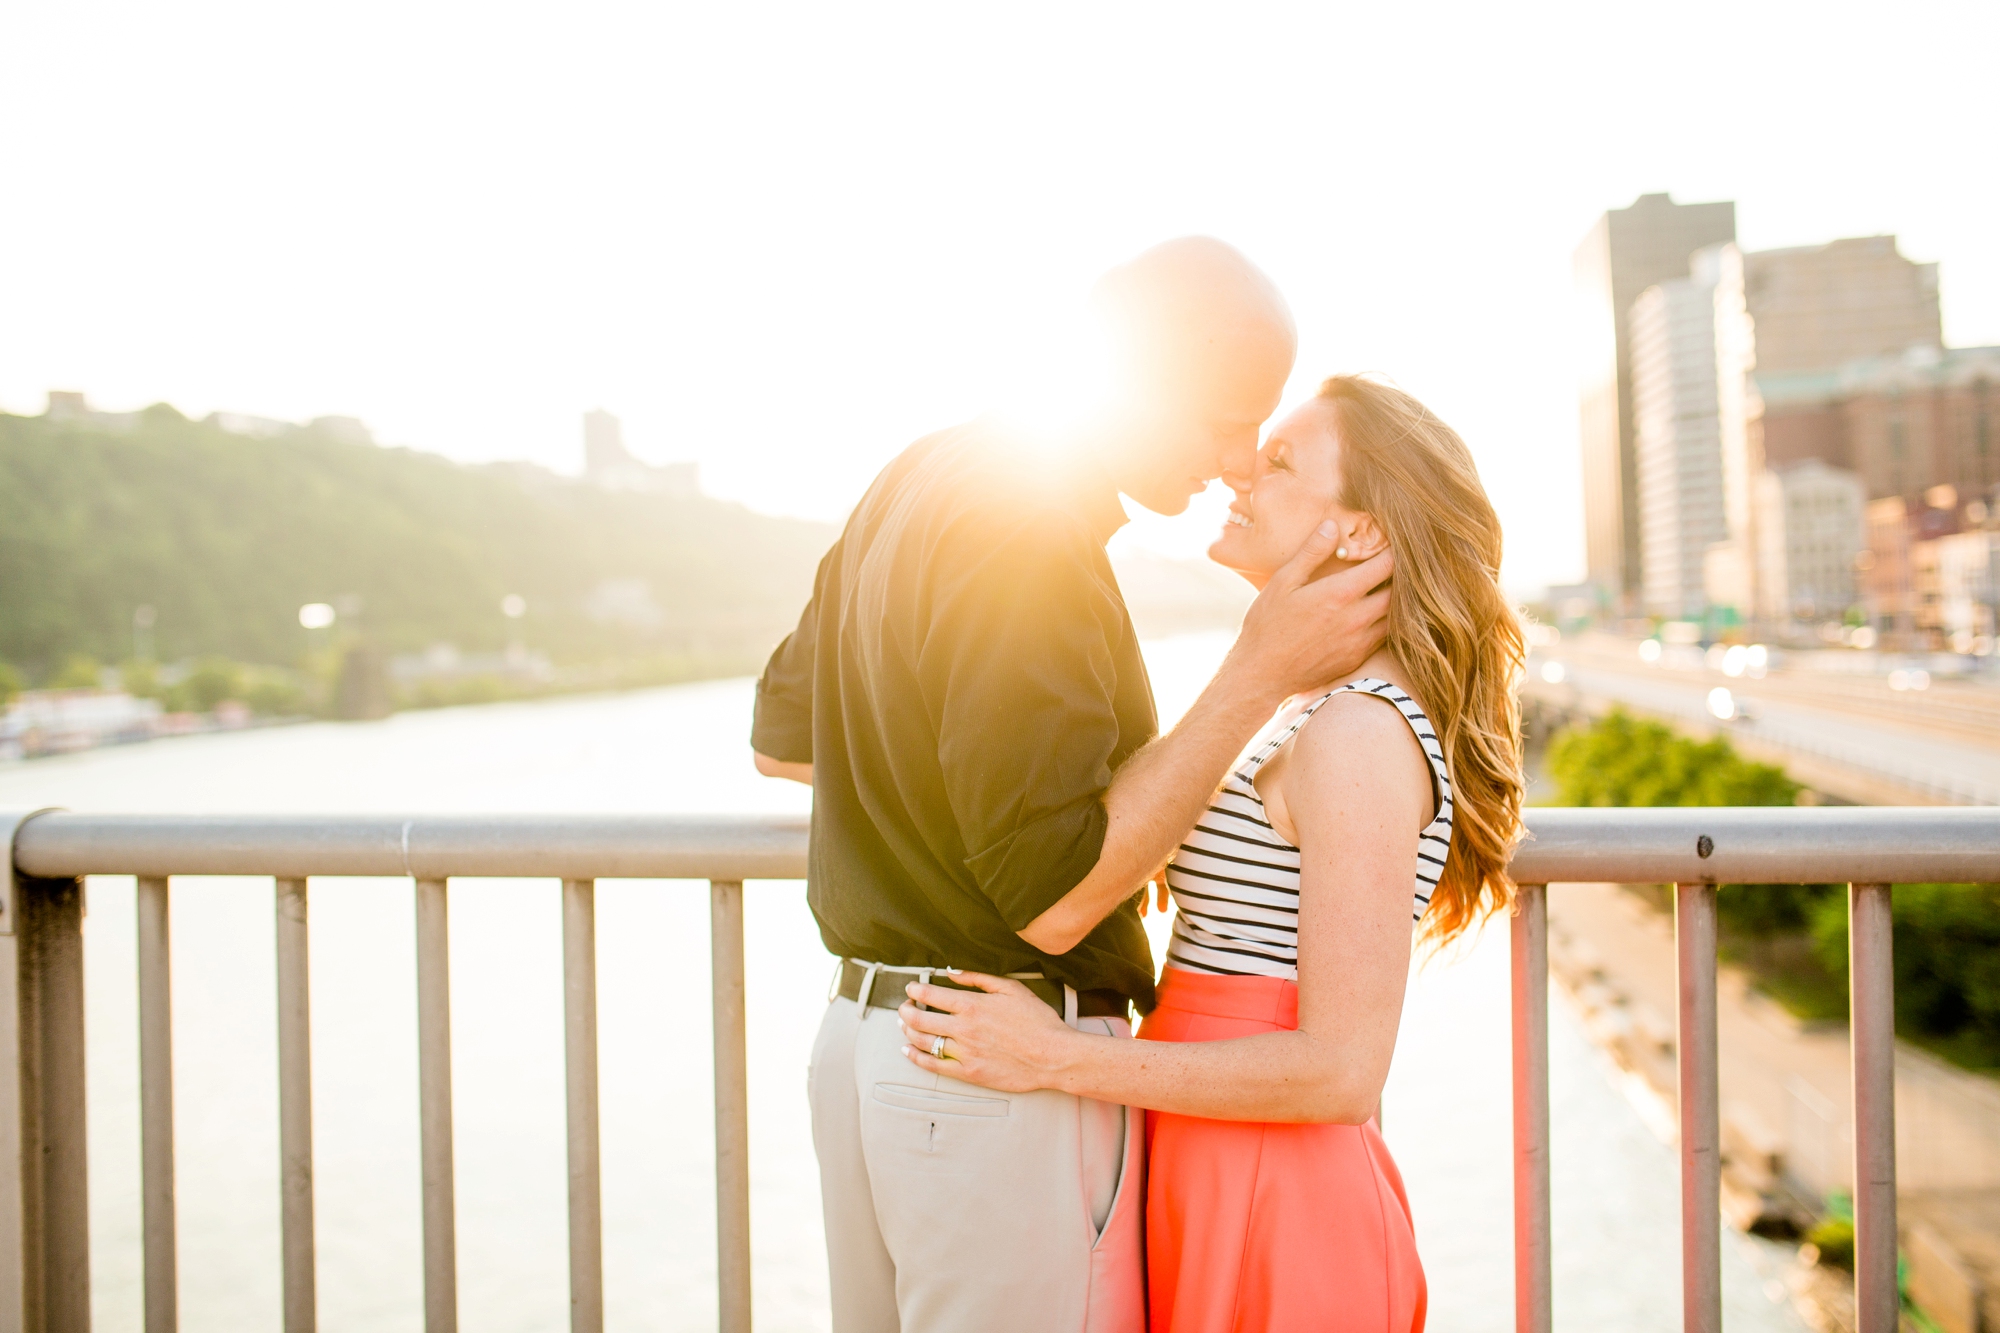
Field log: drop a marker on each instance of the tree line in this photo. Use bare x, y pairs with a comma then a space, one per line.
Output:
225, 537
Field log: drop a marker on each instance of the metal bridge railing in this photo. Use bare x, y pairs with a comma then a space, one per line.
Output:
44, 1239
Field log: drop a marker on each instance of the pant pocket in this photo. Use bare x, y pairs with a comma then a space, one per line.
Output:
1118, 1259
944, 1103
941, 1130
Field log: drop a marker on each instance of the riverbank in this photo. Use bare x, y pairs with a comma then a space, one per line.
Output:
1786, 1118
42, 724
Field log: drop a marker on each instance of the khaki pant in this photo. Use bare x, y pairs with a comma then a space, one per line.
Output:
951, 1208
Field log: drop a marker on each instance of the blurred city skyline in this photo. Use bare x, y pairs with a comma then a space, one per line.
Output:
782, 245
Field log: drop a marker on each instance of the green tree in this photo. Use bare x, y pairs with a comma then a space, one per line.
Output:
1947, 954
212, 680
141, 679
78, 672
1622, 760
227, 537
1947, 961
271, 692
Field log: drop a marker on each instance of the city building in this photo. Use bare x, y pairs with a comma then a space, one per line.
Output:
609, 464
1801, 311
1896, 528
69, 405
1813, 306
1905, 423
1952, 585
1885, 569
1809, 529
1672, 334
346, 430
39, 722
1628, 251
604, 449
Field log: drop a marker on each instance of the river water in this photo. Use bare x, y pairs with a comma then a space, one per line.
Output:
677, 749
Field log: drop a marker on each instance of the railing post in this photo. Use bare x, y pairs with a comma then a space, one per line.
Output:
20, 1095
156, 1108
732, 1108
295, 1138
1872, 1019
1700, 1113
586, 1210
44, 1176
1533, 1271
434, 1107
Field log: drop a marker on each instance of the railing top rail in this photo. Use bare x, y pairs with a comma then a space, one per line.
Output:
1762, 845
1827, 844
62, 844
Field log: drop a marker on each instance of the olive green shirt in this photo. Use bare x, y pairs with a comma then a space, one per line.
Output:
964, 682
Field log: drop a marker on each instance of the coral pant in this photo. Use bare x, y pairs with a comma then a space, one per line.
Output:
1269, 1228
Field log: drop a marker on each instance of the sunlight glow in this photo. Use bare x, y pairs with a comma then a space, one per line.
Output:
784, 244
1061, 375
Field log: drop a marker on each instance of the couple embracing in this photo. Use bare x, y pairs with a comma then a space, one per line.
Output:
992, 807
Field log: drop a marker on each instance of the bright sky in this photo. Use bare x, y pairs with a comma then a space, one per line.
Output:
784, 240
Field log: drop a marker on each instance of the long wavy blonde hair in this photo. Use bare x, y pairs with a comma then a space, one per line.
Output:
1450, 627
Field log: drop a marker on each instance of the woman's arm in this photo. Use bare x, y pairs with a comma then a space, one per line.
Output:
1297, 631
1358, 790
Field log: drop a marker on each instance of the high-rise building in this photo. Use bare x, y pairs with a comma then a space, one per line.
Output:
604, 449
1672, 329
1787, 313
1814, 306
1629, 250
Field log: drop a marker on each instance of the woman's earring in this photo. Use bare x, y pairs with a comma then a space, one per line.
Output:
1340, 553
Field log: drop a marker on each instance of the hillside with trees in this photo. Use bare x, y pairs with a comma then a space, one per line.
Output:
226, 536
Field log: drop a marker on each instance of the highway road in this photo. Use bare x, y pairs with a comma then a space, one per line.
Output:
1928, 764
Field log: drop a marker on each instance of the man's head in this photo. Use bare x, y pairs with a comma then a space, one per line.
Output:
1202, 344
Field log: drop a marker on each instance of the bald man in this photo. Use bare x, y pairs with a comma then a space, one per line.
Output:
965, 694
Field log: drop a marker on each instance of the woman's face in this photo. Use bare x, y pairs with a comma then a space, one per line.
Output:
1291, 489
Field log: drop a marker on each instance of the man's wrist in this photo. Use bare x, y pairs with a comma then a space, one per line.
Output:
1244, 681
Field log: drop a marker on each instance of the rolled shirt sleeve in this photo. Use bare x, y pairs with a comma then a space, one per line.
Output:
1018, 670
782, 724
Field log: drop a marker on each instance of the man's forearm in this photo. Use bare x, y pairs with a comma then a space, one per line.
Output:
783, 768
1153, 801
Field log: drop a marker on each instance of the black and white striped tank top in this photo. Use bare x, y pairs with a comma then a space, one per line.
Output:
1236, 882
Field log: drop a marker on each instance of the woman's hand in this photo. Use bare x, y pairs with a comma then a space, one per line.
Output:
1006, 1039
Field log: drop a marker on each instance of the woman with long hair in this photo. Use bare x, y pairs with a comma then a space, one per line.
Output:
1272, 1201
